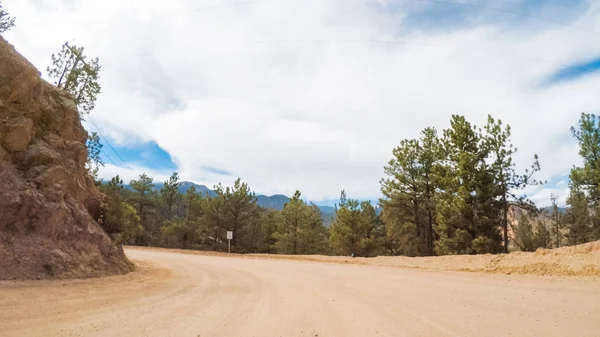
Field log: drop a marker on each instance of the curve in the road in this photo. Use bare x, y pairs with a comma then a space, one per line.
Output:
174, 294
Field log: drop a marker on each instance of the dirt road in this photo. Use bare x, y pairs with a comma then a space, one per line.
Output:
173, 294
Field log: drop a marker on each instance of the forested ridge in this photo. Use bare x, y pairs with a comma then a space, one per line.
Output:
451, 192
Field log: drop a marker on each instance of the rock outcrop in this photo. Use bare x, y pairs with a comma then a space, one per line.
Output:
46, 230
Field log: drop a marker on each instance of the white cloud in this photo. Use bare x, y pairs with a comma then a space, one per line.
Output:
290, 94
542, 197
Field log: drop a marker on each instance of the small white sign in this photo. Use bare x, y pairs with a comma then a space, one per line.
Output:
229, 235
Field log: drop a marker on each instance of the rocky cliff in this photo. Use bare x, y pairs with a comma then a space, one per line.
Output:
46, 230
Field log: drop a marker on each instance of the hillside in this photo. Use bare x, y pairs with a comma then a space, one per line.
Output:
46, 194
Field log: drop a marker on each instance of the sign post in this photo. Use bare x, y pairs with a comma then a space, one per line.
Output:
229, 237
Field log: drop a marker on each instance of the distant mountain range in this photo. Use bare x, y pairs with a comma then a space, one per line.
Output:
549, 209
276, 201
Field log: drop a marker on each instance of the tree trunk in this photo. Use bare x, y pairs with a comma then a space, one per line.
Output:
505, 222
430, 234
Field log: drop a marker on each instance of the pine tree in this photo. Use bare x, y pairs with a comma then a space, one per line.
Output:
557, 221
71, 72
300, 229
578, 219
399, 231
409, 193
257, 237
314, 236
294, 216
6, 21
186, 230
354, 228
585, 181
499, 146
94, 161
143, 200
587, 178
120, 220
232, 209
270, 222
430, 157
542, 235
169, 194
467, 212
403, 195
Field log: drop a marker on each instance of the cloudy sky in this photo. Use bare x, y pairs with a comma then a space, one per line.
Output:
314, 94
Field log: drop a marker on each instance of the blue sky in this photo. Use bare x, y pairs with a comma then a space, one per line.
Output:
293, 94
575, 71
148, 155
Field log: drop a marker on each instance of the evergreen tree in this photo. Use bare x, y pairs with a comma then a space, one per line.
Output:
542, 235
587, 178
71, 72
120, 220
301, 230
314, 237
169, 194
143, 200
585, 182
94, 161
578, 219
186, 230
430, 157
270, 222
403, 195
257, 237
232, 209
6, 21
409, 192
353, 232
467, 212
497, 141
557, 221
399, 231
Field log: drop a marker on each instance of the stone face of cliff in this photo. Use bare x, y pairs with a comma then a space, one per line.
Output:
46, 230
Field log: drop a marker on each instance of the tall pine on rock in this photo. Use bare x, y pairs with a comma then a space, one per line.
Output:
72, 72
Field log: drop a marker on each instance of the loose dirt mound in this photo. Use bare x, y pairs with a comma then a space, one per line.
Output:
581, 260
46, 230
